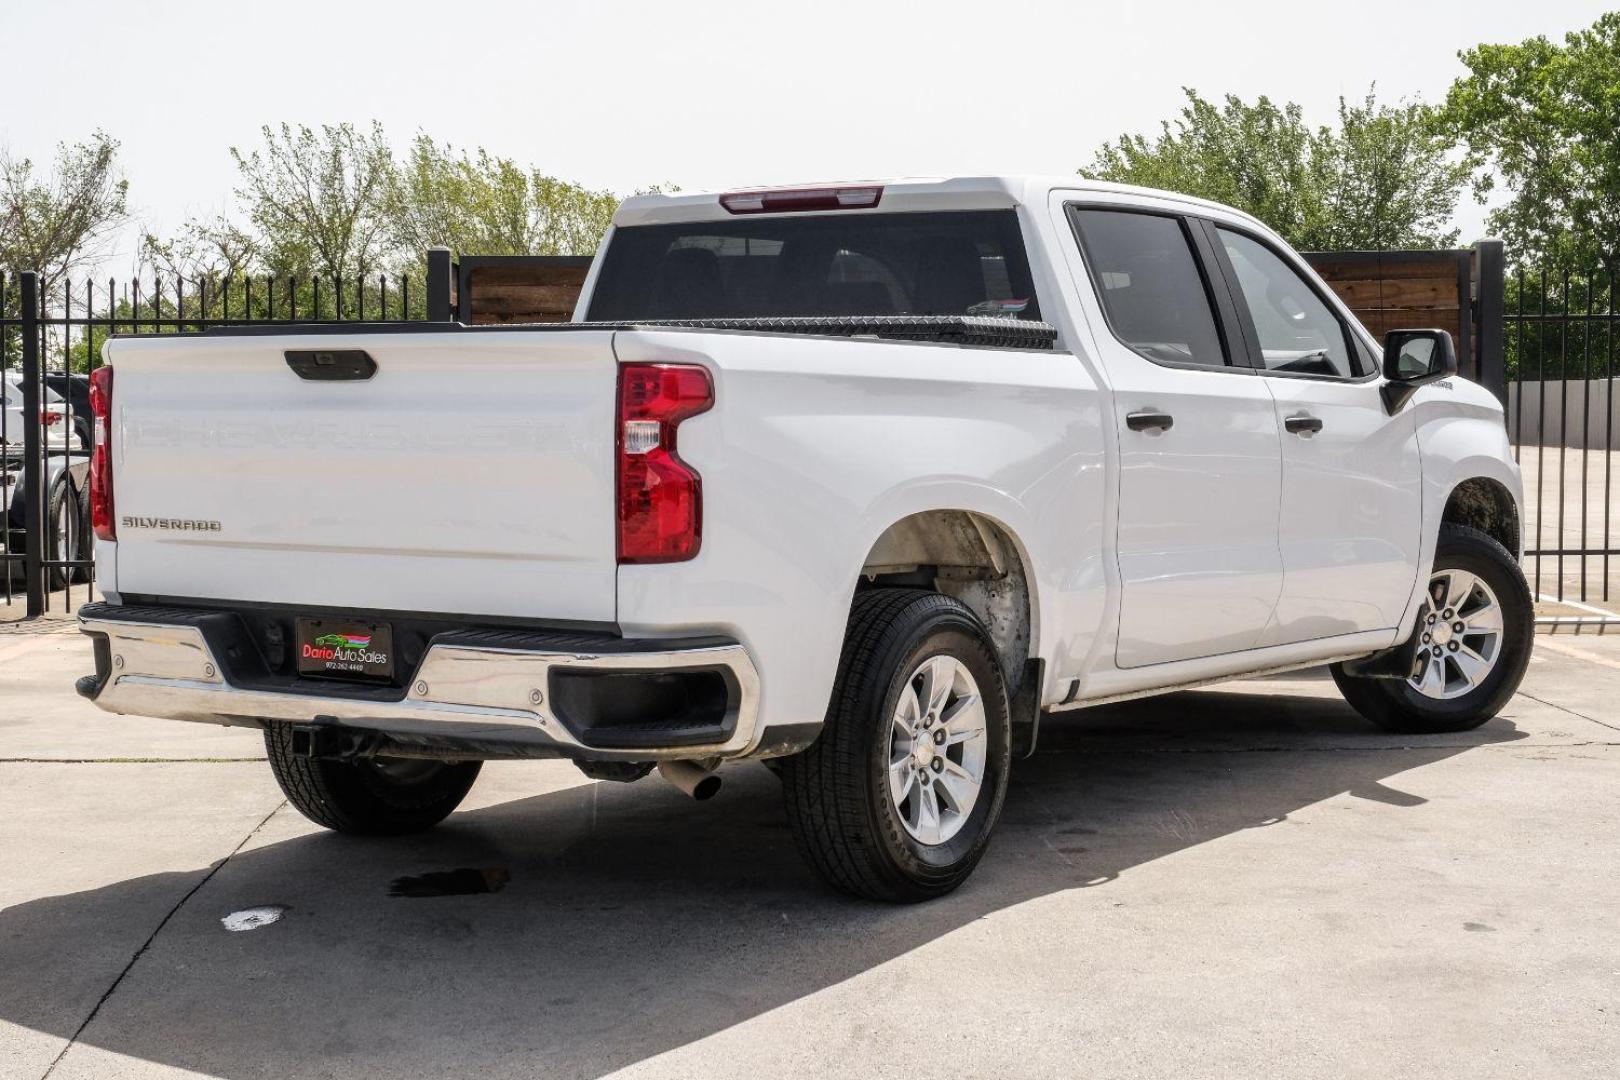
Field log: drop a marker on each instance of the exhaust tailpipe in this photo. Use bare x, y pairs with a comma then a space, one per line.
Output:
696, 781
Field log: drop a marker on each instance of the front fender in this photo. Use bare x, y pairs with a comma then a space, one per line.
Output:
1462, 435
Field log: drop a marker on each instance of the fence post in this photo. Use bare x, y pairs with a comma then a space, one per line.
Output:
33, 476
1489, 297
439, 307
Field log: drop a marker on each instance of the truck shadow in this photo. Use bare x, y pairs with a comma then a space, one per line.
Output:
635, 921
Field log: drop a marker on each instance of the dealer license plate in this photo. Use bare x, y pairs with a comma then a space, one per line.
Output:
343, 649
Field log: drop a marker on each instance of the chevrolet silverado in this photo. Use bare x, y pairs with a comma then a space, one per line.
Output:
858, 480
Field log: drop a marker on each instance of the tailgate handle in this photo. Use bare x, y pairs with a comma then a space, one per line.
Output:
332, 365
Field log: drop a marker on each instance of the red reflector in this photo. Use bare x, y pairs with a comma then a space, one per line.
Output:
802, 199
660, 497
101, 493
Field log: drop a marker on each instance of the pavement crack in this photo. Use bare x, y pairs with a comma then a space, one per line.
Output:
147, 944
1572, 712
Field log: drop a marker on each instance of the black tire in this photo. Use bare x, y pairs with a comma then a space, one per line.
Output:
86, 547
386, 797
837, 791
64, 537
1396, 706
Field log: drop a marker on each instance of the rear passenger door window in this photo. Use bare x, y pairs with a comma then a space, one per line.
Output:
1153, 292
1296, 330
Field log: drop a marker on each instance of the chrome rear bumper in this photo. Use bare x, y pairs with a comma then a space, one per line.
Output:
488, 700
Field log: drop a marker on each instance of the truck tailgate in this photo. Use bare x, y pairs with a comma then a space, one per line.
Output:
472, 474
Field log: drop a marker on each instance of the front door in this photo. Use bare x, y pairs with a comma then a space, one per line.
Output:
1350, 527
1199, 448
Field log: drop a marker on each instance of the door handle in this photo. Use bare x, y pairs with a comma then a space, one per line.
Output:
1149, 421
1303, 425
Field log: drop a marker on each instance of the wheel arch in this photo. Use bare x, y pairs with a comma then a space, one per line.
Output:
1470, 478
1486, 504
974, 558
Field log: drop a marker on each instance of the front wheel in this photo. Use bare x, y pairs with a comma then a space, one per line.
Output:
897, 798
368, 797
1474, 636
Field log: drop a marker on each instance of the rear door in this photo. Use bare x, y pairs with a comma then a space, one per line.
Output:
471, 474
1350, 527
1200, 456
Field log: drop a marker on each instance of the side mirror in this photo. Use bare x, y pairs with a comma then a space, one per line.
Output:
1413, 358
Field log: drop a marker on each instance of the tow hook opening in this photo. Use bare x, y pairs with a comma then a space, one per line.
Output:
330, 741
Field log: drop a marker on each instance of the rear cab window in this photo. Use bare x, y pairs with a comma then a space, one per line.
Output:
959, 262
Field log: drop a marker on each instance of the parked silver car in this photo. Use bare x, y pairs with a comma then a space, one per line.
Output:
59, 429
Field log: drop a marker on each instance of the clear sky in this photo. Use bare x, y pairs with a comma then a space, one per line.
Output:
626, 94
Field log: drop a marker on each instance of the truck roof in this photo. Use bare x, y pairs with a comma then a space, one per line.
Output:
909, 193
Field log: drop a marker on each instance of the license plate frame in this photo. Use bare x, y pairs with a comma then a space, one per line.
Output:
355, 650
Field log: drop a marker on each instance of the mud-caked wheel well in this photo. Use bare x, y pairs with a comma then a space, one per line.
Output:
1486, 505
966, 556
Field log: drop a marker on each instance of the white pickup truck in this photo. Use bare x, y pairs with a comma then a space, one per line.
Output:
859, 480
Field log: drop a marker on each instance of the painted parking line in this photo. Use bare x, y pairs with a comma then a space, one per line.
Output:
1578, 653
1578, 606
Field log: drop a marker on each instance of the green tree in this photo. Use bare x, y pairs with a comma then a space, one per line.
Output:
331, 224
317, 200
61, 223
309, 239
486, 205
1254, 157
1389, 179
216, 248
1544, 120
1381, 178
335, 202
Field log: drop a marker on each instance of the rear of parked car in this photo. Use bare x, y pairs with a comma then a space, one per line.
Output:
56, 416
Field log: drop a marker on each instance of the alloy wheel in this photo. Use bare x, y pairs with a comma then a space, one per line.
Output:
1460, 635
938, 745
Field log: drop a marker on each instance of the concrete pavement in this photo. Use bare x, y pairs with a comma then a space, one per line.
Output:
1237, 882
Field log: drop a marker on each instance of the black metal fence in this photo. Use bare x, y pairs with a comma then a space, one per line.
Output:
51, 335
1560, 338
1544, 341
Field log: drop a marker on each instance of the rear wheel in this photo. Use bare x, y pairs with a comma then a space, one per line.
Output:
898, 796
1474, 637
372, 797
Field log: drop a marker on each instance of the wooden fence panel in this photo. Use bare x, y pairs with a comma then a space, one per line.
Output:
1398, 290
519, 288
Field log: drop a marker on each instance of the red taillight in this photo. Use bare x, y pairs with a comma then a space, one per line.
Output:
50, 417
101, 492
660, 497
790, 200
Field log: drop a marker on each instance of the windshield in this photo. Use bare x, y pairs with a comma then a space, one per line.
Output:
950, 263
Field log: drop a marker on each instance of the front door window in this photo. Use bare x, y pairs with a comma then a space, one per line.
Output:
1298, 332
